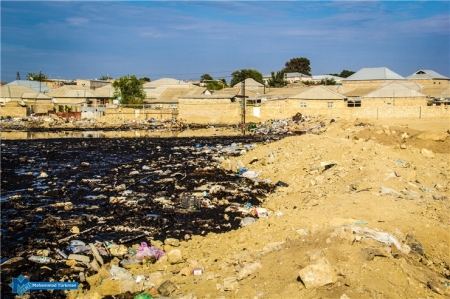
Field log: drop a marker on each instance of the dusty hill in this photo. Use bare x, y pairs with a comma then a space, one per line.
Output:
365, 215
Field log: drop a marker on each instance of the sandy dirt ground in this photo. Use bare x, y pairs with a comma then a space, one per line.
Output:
365, 215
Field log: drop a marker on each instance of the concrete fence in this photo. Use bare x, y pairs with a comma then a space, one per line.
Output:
226, 112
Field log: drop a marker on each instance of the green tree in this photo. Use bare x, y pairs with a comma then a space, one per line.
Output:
224, 82
36, 77
129, 89
328, 81
298, 65
343, 74
214, 85
346, 73
145, 79
239, 76
105, 77
205, 77
277, 79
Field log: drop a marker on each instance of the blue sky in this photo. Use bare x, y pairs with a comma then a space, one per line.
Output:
183, 39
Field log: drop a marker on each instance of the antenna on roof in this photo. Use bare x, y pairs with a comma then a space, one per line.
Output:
18, 76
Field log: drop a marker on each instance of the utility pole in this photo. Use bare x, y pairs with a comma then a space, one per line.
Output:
40, 81
18, 76
244, 102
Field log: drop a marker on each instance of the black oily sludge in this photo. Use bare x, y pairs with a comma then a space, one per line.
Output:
114, 190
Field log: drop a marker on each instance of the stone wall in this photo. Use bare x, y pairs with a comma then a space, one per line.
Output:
397, 101
380, 112
41, 106
210, 111
374, 83
288, 108
121, 114
426, 82
226, 112
355, 84
13, 111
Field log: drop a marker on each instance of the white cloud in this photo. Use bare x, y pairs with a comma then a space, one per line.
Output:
77, 21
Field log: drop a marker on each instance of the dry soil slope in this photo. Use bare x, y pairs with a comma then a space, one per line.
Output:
310, 219
309, 216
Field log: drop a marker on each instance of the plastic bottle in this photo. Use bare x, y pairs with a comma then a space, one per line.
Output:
130, 261
41, 259
78, 249
61, 253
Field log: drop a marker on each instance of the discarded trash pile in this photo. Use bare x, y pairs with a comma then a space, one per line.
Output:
52, 123
298, 124
76, 204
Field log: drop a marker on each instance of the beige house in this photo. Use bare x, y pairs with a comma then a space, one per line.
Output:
104, 95
319, 97
72, 96
92, 84
11, 101
437, 94
296, 77
390, 94
371, 77
38, 103
285, 92
251, 84
429, 77
11, 95
168, 98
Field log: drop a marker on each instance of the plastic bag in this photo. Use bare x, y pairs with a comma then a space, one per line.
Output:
382, 237
144, 251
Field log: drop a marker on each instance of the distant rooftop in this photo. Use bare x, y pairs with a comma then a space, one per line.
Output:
31, 84
426, 74
320, 77
170, 82
377, 73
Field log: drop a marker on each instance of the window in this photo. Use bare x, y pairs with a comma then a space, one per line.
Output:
330, 104
355, 104
303, 104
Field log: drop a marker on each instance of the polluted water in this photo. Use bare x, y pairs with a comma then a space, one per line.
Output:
92, 199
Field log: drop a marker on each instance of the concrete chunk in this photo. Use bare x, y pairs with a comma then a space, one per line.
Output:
319, 274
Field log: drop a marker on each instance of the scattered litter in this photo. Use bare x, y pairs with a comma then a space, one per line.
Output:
425, 189
389, 191
382, 237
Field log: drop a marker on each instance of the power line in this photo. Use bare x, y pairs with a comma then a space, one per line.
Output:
60, 75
